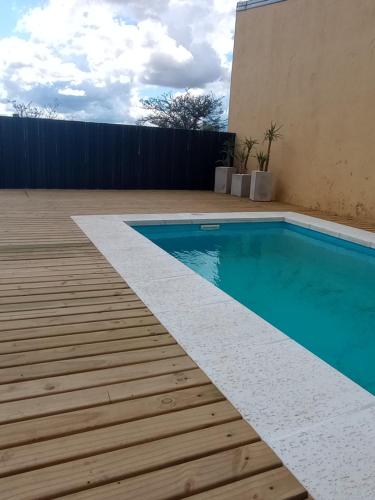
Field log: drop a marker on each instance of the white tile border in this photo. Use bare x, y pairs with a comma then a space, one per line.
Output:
300, 405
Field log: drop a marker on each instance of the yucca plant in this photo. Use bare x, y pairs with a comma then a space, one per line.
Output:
228, 154
262, 161
242, 156
271, 135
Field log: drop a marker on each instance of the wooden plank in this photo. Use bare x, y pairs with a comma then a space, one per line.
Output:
54, 304
35, 239
115, 465
189, 477
93, 349
80, 338
82, 248
59, 299
106, 312
63, 424
16, 411
55, 270
115, 437
72, 382
8, 318
65, 285
42, 253
89, 363
14, 258
76, 277
53, 262
278, 484
140, 318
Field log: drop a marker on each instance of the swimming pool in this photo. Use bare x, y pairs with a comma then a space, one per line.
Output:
317, 289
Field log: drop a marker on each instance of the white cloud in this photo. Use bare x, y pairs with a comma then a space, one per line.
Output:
69, 91
99, 56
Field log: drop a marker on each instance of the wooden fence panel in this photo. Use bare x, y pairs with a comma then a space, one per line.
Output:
59, 154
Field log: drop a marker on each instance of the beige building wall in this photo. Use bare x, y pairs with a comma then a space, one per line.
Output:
310, 65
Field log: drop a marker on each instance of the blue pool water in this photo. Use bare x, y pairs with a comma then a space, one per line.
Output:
317, 289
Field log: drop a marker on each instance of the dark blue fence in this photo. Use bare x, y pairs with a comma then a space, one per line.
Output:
58, 154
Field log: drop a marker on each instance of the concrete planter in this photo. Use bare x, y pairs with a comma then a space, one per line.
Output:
261, 186
223, 179
241, 185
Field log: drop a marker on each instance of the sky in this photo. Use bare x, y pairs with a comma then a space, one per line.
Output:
98, 58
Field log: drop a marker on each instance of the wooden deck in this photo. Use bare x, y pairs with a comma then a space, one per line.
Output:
97, 400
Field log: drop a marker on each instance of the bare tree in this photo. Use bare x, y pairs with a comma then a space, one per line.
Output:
187, 111
50, 111
29, 110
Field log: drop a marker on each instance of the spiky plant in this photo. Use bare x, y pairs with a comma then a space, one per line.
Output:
249, 143
228, 154
271, 135
262, 160
243, 155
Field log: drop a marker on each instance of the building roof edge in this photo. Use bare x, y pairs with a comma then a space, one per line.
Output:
252, 4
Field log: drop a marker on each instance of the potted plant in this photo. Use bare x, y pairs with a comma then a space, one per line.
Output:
224, 170
261, 179
241, 179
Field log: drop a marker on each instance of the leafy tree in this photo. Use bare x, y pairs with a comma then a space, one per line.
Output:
187, 111
29, 110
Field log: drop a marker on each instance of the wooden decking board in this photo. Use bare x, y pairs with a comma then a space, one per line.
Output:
276, 484
43, 253
167, 349
76, 339
111, 466
53, 300
71, 352
112, 312
69, 285
55, 262
69, 423
95, 378
190, 477
115, 437
64, 310
20, 280
22, 306
39, 371
24, 409
60, 354
37, 272
86, 326
23, 257
97, 400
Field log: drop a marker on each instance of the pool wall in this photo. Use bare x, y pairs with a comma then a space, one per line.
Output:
320, 423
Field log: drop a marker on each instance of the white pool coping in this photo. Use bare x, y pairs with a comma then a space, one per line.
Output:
319, 422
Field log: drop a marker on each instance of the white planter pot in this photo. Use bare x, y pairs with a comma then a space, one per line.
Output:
223, 179
241, 185
261, 186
